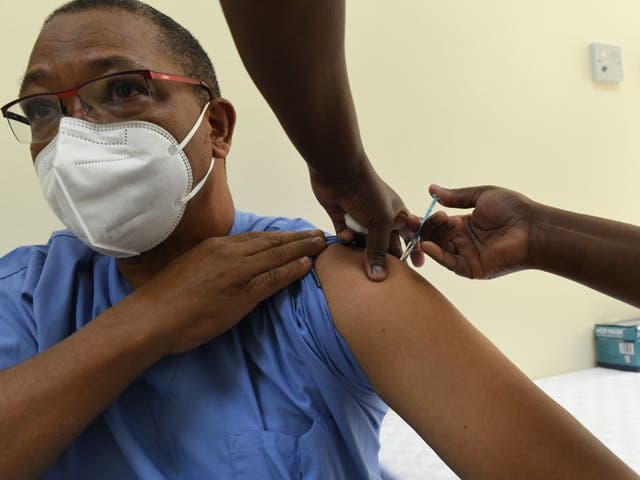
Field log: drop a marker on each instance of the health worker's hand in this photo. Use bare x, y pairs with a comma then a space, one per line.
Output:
207, 290
490, 241
374, 205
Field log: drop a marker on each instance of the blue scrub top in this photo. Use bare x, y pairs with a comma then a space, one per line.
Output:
278, 396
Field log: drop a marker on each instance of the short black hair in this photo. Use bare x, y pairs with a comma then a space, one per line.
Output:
176, 40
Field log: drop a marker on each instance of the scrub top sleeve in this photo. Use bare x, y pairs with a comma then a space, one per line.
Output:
318, 331
17, 328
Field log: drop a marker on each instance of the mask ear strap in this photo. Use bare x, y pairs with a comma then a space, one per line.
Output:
175, 149
200, 184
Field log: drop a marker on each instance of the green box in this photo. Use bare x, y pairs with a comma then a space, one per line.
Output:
618, 345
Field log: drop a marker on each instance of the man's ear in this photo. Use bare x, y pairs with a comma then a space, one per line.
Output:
222, 119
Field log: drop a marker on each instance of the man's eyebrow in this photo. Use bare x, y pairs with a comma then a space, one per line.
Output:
34, 76
100, 64
114, 62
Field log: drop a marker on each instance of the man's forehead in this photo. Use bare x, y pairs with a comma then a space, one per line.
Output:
97, 24
93, 42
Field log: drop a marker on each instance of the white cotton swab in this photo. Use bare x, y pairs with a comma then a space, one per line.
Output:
353, 225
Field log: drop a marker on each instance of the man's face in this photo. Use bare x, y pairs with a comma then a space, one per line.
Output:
78, 47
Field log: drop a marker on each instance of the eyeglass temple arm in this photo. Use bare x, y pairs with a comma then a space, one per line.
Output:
14, 116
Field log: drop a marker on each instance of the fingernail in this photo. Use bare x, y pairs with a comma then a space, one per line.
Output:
305, 260
378, 272
318, 240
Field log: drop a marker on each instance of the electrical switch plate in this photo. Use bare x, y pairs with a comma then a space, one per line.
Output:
606, 63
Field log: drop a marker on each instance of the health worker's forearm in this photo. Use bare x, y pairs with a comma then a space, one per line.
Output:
294, 52
599, 253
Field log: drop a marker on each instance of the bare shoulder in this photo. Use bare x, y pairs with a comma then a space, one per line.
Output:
349, 291
341, 272
379, 319
339, 263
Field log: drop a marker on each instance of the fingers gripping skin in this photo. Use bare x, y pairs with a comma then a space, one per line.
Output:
490, 241
372, 204
210, 288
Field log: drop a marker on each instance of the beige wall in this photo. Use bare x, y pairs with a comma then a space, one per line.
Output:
458, 93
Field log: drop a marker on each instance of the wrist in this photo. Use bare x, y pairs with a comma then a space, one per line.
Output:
544, 233
145, 331
341, 169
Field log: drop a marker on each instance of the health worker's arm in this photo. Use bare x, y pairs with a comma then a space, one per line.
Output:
294, 52
507, 231
481, 414
49, 399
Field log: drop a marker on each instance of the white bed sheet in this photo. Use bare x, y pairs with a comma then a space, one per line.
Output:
603, 400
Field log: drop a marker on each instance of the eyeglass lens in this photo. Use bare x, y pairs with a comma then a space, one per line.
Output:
113, 98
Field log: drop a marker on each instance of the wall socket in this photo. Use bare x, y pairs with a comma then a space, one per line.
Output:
606, 63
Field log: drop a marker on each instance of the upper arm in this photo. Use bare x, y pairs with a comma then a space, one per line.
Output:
407, 337
473, 406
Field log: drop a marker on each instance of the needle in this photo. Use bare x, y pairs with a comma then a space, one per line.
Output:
416, 237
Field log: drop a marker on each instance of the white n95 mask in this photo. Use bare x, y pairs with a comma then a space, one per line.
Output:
121, 188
